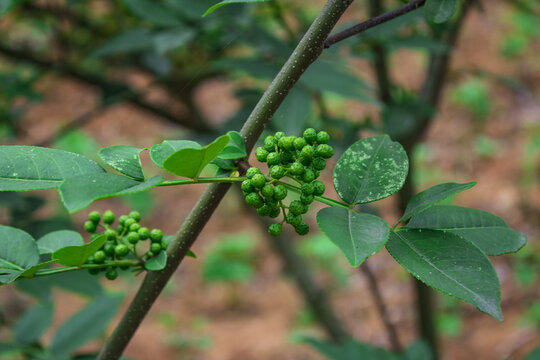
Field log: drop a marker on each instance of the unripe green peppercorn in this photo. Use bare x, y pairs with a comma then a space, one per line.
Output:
121, 250
129, 222
252, 171
90, 259
270, 144
149, 254
275, 229
108, 217
164, 244
261, 154
247, 186
134, 227
135, 215
294, 220
264, 210
144, 233
310, 135
255, 200
94, 217
306, 161
133, 237
318, 188
308, 176
280, 192
296, 207
122, 219
93, 271
318, 163
277, 171
156, 235
302, 228
299, 143
90, 226
119, 229
307, 152
306, 199
109, 248
279, 135
297, 168
323, 137
258, 180
267, 191
273, 159
325, 151
99, 257
111, 274
155, 248
307, 188
287, 157
287, 143
274, 213
110, 234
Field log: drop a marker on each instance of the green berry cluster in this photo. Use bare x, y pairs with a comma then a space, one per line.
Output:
301, 158
122, 241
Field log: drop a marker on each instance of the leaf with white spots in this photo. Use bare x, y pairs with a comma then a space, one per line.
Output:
371, 169
450, 264
35, 168
124, 159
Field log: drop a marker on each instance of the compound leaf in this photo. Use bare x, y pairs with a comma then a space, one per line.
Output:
371, 169
450, 264
357, 235
160, 152
487, 231
124, 159
236, 148
55, 240
34, 168
77, 255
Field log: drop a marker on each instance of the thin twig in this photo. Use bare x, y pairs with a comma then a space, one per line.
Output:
368, 24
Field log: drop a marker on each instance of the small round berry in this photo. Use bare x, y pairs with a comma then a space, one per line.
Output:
275, 229
261, 154
108, 217
267, 191
109, 248
306, 199
297, 168
280, 192
255, 200
155, 248
129, 222
318, 188
318, 163
299, 143
307, 152
270, 144
122, 219
134, 227
164, 244
287, 143
99, 256
310, 135
121, 250
93, 271
252, 171
302, 228
247, 186
258, 180
133, 237
279, 135
156, 235
325, 151
94, 217
110, 234
304, 160
277, 171
149, 254
308, 176
296, 207
111, 274
264, 210
308, 188
294, 220
274, 213
273, 159
323, 137
135, 215
90, 226
90, 259
119, 229
144, 233
287, 157
317, 173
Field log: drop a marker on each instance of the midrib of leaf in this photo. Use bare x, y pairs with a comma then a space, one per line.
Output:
10, 265
351, 236
423, 257
367, 171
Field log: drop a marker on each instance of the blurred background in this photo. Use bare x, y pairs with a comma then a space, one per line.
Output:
462, 97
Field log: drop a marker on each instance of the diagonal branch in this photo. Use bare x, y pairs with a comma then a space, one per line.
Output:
307, 51
368, 24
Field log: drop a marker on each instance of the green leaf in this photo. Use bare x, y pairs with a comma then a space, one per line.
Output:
487, 231
86, 325
131, 41
370, 169
439, 11
427, 198
358, 235
226, 2
18, 252
236, 148
58, 239
191, 254
189, 162
157, 262
33, 323
152, 12
350, 349
34, 269
124, 159
79, 192
298, 105
418, 350
77, 255
35, 168
449, 264
160, 152
165, 41
534, 355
